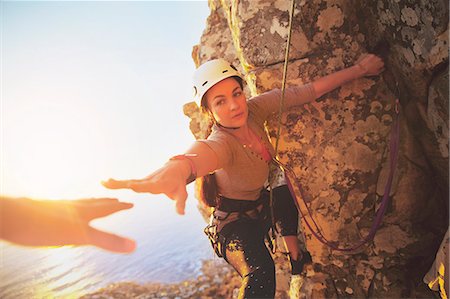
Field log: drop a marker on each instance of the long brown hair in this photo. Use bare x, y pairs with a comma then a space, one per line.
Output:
208, 193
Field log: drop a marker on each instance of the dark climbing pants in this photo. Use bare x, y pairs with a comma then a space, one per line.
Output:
246, 251
245, 247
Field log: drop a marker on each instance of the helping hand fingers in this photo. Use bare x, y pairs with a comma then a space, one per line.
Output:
101, 209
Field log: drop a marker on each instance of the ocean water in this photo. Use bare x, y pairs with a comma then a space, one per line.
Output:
170, 249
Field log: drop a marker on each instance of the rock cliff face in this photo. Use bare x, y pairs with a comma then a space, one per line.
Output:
338, 146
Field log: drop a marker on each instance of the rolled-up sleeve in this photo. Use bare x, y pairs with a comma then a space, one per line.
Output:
221, 146
269, 102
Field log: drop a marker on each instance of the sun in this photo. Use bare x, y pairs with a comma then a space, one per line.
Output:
49, 152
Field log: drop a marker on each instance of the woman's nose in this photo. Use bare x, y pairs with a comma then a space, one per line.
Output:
234, 105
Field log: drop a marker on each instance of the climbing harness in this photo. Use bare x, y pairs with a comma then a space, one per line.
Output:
393, 146
221, 217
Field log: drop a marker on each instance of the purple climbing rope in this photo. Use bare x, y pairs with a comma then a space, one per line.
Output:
394, 148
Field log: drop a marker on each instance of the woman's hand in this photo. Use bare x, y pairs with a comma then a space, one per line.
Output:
169, 180
367, 65
370, 65
60, 222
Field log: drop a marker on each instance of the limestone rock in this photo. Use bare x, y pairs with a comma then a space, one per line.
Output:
338, 146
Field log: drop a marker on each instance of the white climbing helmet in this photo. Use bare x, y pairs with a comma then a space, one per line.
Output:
210, 73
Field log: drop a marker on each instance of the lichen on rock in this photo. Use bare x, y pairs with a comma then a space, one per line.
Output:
338, 146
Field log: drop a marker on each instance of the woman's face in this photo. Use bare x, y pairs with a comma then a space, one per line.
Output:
227, 103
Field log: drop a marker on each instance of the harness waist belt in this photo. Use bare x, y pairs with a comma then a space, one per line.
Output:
230, 205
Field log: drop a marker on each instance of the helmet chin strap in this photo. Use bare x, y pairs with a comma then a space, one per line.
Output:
231, 128
220, 125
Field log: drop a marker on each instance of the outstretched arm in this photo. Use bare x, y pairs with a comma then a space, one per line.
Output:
367, 65
171, 178
30, 222
268, 103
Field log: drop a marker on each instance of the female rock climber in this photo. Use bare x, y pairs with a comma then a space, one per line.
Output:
238, 154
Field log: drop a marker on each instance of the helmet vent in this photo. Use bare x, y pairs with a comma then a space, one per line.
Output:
223, 72
233, 67
204, 83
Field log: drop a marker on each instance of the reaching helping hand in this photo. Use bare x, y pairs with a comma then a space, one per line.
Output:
60, 222
168, 180
370, 65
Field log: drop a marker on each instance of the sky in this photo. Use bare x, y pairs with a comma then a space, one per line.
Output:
93, 90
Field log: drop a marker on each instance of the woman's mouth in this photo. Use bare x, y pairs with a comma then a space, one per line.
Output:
239, 115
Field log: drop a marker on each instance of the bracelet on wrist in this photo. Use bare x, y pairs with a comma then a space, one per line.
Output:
187, 157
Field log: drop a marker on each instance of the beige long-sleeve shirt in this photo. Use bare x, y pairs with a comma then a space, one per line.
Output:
242, 172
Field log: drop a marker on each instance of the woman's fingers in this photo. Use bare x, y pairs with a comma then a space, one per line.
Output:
378, 64
177, 193
370, 64
361, 58
116, 184
180, 198
166, 182
144, 185
148, 185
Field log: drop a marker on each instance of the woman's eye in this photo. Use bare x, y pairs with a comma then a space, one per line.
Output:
220, 102
237, 94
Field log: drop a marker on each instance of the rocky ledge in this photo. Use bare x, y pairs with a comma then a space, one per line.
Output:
218, 280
